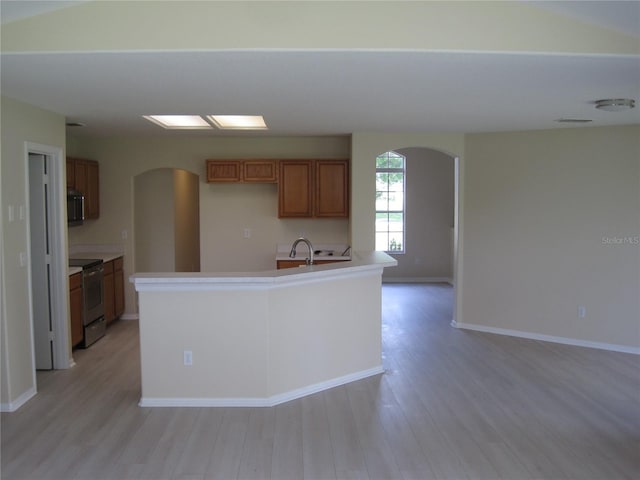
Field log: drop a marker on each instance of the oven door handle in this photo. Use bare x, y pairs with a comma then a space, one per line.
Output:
98, 271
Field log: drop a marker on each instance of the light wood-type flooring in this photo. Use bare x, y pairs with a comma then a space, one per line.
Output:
452, 404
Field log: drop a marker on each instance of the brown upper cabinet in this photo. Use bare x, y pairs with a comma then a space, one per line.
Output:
313, 188
332, 188
295, 188
84, 175
242, 171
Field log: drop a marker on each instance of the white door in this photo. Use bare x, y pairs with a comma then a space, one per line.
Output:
39, 221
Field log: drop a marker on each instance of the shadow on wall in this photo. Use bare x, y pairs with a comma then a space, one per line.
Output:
429, 217
166, 221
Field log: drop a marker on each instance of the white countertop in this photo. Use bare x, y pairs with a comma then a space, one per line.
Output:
104, 256
74, 270
165, 281
106, 253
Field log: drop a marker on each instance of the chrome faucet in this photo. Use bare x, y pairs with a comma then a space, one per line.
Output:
292, 253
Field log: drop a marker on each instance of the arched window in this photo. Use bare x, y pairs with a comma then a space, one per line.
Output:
390, 204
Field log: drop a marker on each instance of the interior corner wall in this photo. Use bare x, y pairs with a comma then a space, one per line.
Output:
187, 221
365, 147
20, 123
551, 224
154, 221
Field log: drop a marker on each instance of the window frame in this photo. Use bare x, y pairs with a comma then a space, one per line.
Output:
402, 212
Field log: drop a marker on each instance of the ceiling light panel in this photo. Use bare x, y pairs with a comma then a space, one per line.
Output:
238, 122
179, 122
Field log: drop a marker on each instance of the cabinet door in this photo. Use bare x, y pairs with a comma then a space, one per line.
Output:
297, 263
259, 171
71, 173
80, 177
295, 195
92, 193
280, 264
118, 287
109, 300
75, 308
332, 188
85, 175
224, 171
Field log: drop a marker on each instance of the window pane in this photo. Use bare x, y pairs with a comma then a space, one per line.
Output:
382, 181
389, 226
396, 221
395, 241
396, 161
382, 241
382, 222
396, 181
382, 161
382, 201
395, 202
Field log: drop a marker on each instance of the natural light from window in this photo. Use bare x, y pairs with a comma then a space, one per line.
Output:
390, 204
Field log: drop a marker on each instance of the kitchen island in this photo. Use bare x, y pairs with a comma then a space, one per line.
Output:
259, 339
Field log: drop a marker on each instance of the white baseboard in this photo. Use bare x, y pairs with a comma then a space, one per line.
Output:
129, 316
259, 402
417, 280
548, 338
18, 402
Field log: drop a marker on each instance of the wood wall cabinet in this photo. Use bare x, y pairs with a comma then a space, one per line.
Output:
242, 171
224, 171
260, 171
295, 188
113, 289
331, 188
313, 188
84, 175
76, 308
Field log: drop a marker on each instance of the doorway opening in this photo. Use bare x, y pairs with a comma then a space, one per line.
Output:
430, 197
46, 257
166, 221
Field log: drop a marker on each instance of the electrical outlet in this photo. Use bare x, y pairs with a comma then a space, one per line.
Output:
188, 357
247, 233
582, 311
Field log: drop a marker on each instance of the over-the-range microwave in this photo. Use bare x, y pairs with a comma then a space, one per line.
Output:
75, 207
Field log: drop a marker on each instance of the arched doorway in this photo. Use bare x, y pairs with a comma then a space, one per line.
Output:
429, 218
166, 221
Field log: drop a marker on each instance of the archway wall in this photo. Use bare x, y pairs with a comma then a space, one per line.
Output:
428, 217
364, 148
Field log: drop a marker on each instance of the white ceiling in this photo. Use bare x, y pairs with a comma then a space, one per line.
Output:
331, 92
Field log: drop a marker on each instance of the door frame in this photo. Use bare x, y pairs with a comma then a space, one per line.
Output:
62, 358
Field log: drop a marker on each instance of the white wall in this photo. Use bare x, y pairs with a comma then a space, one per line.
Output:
364, 149
539, 208
20, 123
154, 221
187, 221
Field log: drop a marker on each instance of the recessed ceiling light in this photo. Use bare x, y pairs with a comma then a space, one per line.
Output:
179, 122
615, 104
238, 122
